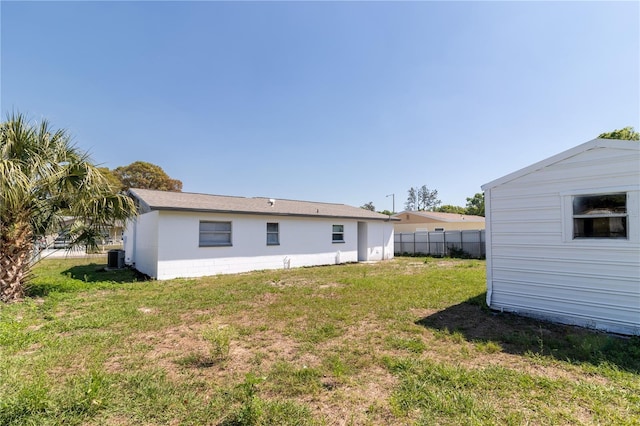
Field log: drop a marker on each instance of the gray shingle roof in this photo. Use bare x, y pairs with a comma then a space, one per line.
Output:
185, 201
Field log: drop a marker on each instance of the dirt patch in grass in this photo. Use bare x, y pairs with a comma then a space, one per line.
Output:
158, 348
362, 400
355, 390
265, 299
291, 281
166, 347
263, 349
419, 313
196, 316
31, 350
330, 285
358, 387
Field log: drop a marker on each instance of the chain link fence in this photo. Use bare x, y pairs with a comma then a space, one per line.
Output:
466, 244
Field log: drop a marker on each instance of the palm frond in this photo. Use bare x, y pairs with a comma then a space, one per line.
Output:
44, 177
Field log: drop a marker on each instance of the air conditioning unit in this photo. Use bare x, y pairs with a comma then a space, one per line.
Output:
115, 259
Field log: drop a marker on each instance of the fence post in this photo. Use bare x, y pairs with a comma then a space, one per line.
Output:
414, 243
444, 244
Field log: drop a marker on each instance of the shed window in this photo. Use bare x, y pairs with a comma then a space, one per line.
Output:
215, 234
338, 234
600, 216
273, 234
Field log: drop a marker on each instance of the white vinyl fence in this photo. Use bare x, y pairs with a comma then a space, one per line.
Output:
469, 243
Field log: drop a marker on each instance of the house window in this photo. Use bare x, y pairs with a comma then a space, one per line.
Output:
338, 234
600, 216
215, 234
439, 229
273, 234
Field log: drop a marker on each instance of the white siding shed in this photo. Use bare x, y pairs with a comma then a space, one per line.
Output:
563, 238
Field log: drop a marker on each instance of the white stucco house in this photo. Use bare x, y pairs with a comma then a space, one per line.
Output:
178, 234
426, 221
563, 238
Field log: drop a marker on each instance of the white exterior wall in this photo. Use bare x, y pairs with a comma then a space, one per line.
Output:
535, 267
303, 242
379, 241
141, 243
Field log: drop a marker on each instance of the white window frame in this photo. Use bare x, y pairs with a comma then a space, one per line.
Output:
272, 233
228, 233
335, 234
633, 221
601, 215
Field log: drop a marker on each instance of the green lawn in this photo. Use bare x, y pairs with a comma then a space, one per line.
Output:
409, 341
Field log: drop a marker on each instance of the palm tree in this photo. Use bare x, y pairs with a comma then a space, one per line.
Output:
43, 177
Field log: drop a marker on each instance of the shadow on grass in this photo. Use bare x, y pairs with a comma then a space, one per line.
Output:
521, 335
99, 273
84, 277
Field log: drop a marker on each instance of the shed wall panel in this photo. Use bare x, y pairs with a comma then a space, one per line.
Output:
535, 266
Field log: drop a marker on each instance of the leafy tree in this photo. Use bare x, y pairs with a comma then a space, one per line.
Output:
113, 180
387, 212
421, 199
475, 204
43, 177
627, 133
145, 175
369, 206
412, 200
448, 208
427, 199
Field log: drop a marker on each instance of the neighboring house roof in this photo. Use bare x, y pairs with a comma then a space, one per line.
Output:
185, 201
592, 144
443, 217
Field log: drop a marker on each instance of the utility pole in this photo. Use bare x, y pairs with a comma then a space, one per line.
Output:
393, 198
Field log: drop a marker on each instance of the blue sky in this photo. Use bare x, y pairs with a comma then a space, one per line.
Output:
327, 101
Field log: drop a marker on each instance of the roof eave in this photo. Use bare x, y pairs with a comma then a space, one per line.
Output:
592, 144
257, 213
